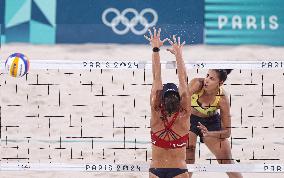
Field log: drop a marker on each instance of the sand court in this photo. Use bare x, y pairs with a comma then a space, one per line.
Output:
82, 116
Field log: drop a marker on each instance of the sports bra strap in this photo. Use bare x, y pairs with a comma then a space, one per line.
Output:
168, 126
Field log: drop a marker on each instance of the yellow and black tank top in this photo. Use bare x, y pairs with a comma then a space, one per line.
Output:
210, 110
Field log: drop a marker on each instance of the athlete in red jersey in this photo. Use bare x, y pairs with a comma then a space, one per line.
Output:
170, 111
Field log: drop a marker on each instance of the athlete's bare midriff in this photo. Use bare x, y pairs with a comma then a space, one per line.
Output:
165, 158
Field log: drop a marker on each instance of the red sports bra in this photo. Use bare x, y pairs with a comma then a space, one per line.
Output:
174, 139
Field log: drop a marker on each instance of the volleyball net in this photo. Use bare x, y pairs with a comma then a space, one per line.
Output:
136, 64
72, 115
245, 168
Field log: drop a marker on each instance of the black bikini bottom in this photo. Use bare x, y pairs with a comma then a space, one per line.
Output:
167, 172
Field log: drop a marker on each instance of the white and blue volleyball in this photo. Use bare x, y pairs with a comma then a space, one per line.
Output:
17, 65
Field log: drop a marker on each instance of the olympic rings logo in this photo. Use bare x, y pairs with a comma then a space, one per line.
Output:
129, 23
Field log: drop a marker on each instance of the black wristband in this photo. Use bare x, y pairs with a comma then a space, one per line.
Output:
156, 49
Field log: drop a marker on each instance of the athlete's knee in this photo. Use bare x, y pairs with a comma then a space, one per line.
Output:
225, 161
234, 175
224, 157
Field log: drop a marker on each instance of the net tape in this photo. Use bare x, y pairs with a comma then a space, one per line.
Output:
132, 65
143, 167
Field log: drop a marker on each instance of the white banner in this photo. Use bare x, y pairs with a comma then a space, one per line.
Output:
133, 65
143, 167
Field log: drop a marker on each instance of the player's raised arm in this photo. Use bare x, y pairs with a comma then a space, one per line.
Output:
156, 43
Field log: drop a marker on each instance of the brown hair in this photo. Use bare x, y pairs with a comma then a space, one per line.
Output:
223, 73
171, 102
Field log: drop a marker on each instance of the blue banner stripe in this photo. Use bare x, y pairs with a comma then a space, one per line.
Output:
264, 33
230, 15
242, 8
244, 2
234, 40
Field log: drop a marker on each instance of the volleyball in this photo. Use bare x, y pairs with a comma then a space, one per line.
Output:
17, 65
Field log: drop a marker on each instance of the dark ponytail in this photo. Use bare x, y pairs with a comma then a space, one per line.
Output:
223, 73
228, 71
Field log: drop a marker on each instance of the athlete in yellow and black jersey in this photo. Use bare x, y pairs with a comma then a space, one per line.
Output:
210, 118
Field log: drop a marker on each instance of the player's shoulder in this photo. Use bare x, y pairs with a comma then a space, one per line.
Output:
224, 99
